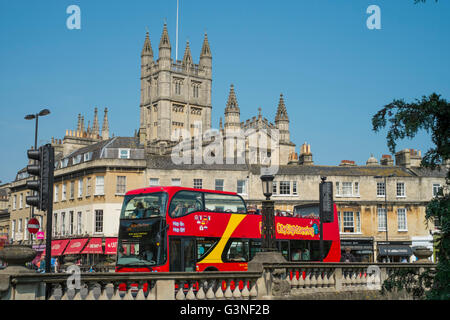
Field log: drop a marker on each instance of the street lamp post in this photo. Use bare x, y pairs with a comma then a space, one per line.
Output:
268, 252
36, 116
268, 217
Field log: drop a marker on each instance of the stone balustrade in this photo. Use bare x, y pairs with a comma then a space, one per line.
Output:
294, 279
279, 280
274, 280
131, 286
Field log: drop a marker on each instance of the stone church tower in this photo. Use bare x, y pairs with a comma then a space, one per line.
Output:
175, 95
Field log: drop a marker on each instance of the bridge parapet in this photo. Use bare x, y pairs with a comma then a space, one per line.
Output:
274, 281
131, 286
301, 279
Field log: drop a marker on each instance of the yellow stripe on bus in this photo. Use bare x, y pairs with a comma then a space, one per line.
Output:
215, 256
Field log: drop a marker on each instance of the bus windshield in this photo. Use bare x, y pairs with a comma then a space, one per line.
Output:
141, 206
141, 242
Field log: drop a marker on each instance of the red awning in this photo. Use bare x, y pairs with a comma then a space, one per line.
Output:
94, 246
58, 247
111, 246
75, 246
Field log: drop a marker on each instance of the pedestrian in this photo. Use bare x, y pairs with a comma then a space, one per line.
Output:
42, 264
348, 256
305, 255
56, 265
297, 255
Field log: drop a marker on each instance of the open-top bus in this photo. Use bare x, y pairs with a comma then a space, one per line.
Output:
183, 229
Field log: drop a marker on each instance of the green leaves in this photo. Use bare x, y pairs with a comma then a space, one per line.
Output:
431, 114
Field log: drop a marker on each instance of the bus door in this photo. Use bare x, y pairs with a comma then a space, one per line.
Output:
182, 254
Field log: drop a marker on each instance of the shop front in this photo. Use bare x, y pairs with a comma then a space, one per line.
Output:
361, 248
394, 251
86, 252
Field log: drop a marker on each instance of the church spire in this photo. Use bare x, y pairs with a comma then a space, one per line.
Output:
282, 121
82, 125
164, 56
95, 127
165, 42
187, 59
232, 101
105, 126
281, 111
232, 112
206, 51
206, 57
147, 49
79, 123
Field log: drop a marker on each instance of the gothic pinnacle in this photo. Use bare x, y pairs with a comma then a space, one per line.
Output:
206, 51
281, 111
165, 42
187, 59
232, 101
147, 49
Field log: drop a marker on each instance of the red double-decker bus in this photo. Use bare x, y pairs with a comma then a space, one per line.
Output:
183, 229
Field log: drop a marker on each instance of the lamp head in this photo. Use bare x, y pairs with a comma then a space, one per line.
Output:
44, 112
267, 185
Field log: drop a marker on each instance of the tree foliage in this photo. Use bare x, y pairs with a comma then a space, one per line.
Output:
431, 114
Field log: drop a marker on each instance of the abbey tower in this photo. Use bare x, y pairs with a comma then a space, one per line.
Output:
175, 95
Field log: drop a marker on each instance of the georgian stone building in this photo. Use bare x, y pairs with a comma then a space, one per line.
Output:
94, 170
92, 174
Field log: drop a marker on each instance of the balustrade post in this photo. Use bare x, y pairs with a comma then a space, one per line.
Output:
180, 294
319, 280
294, 282
210, 292
338, 279
245, 294
115, 292
190, 294
140, 294
228, 294
307, 279
236, 291
219, 292
201, 292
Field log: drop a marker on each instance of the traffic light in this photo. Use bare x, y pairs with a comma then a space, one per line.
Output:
42, 168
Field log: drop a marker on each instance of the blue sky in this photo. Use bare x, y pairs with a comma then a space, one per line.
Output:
334, 72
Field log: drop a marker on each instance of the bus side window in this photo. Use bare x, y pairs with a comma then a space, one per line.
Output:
204, 246
224, 203
237, 251
300, 250
185, 202
255, 246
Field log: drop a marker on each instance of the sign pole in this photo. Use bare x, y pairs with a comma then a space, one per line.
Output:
49, 207
326, 209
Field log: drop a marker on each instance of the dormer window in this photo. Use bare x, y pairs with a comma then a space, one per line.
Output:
64, 162
87, 156
77, 159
